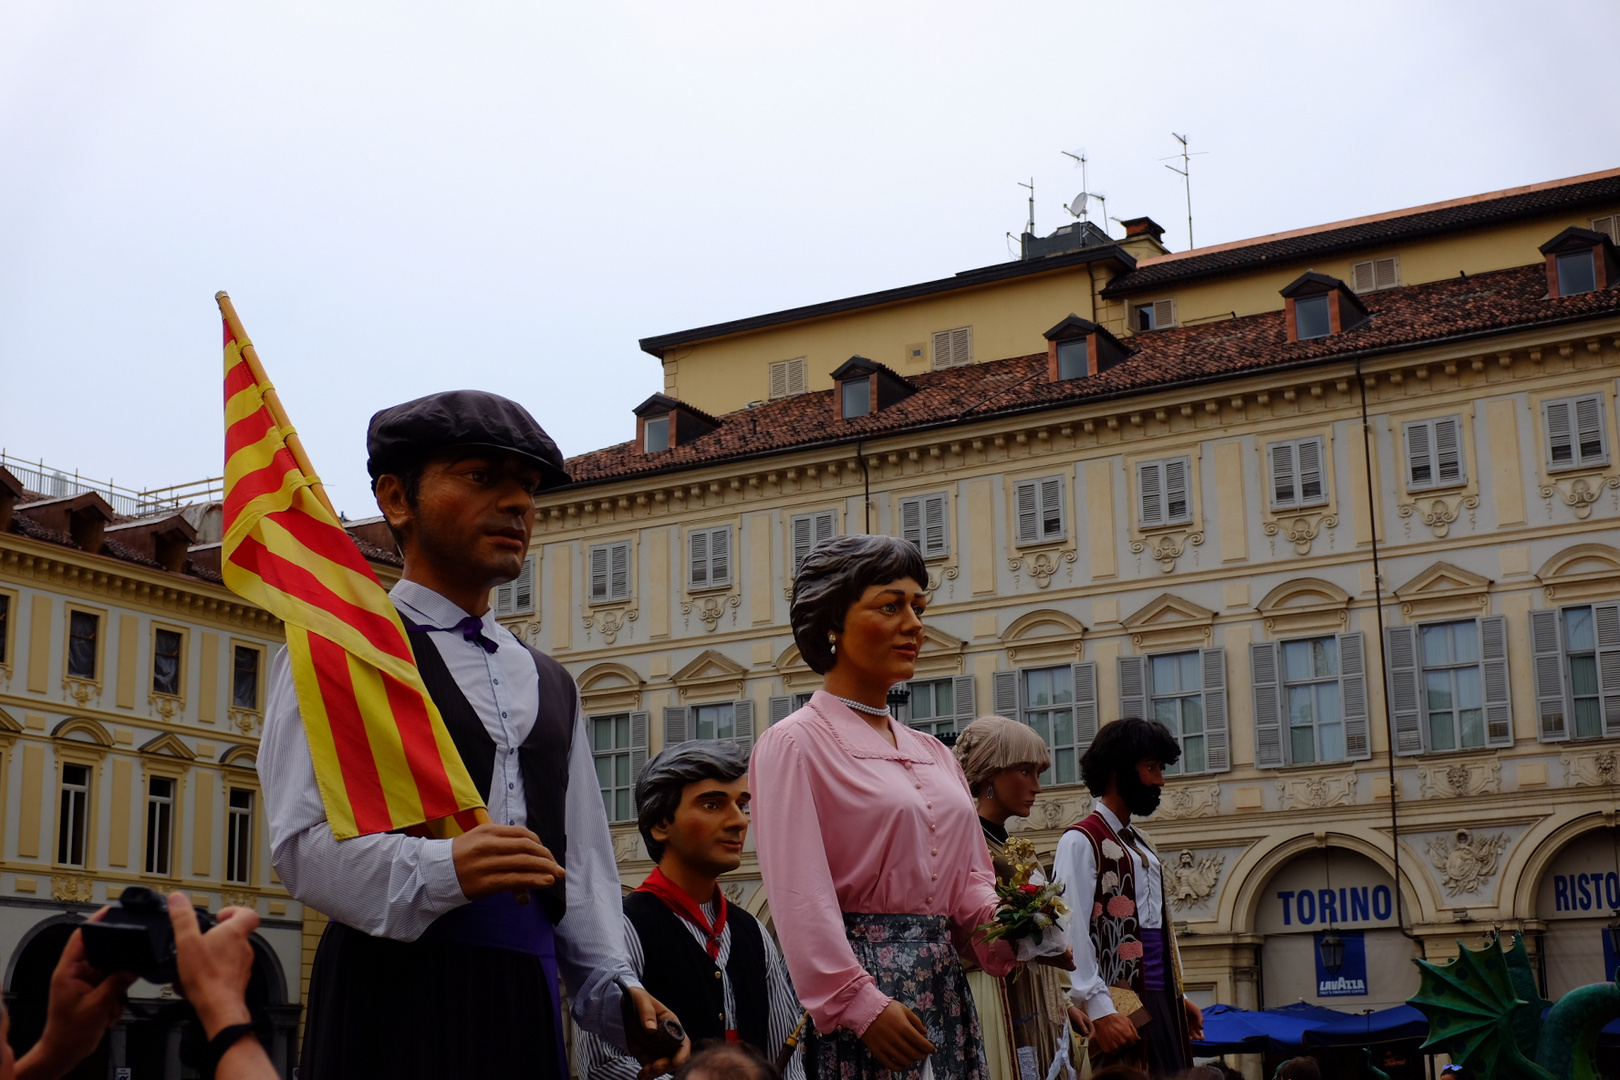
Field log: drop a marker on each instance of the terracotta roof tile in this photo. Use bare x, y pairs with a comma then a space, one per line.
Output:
1410, 316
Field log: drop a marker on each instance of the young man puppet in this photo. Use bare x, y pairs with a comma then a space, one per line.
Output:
687, 942
1127, 972
442, 956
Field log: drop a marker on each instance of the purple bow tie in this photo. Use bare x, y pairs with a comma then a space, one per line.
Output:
471, 628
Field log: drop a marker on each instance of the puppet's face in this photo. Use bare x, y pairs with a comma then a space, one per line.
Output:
709, 827
883, 632
472, 515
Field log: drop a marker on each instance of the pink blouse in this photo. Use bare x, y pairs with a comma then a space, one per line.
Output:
847, 823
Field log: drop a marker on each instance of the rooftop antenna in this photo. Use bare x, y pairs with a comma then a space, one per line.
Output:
1085, 185
1185, 172
1030, 228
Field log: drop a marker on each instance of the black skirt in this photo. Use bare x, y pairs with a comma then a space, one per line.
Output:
398, 1010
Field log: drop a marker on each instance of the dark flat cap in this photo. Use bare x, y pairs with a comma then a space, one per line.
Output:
474, 418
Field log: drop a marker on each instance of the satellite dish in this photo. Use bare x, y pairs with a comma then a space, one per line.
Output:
1077, 208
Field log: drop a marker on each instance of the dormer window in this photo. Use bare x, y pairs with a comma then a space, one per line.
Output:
1076, 348
862, 387
1318, 306
663, 423
655, 434
1579, 261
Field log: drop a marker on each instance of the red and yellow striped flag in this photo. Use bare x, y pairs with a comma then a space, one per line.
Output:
383, 758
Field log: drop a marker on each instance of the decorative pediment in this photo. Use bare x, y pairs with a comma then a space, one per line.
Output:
1170, 621
941, 654
241, 755
610, 688
1444, 589
797, 678
1582, 572
169, 745
711, 674
8, 724
1305, 605
78, 729
1044, 634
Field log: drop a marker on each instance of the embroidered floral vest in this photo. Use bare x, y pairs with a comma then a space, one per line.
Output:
1114, 927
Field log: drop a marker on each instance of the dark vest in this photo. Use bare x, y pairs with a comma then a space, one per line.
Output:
542, 759
678, 972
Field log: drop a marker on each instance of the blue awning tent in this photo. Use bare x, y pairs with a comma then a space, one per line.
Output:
1227, 1030
1230, 1030
1386, 1025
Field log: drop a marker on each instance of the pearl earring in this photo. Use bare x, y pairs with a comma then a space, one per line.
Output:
832, 644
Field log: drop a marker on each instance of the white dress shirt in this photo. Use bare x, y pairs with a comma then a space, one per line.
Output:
393, 886
597, 1060
1076, 866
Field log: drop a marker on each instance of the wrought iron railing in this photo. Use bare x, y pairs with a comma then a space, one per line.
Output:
55, 483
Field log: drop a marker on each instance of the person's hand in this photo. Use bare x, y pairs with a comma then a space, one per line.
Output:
897, 1038
214, 967
1064, 960
1080, 1021
492, 859
654, 1012
1113, 1033
83, 1004
1195, 1019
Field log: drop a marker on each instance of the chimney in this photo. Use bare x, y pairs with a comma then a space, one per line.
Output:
11, 492
1143, 226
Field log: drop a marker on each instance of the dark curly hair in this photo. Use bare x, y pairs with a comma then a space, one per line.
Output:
833, 576
1118, 748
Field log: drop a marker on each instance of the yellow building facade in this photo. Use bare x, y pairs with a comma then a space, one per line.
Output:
1351, 534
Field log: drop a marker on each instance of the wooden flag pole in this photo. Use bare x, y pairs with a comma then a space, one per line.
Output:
272, 400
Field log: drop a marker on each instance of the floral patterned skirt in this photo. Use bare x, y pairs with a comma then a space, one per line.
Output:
913, 961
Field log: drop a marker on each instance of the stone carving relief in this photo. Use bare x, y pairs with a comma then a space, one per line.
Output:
1466, 862
1301, 530
165, 705
81, 690
1316, 792
1190, 800
238, 899
1166, 548
1459, 779
610, 623
1040, 566
1056, 813
1189, 880
710, 608
244, 720
74, 888
627, 847
1440, 512
1579, 492
1598, 769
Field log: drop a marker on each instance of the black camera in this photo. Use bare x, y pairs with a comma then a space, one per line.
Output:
135, 935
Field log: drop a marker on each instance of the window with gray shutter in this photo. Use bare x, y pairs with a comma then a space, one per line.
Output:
1268, 714
1296, 473
788, 377
619, 749
1574, 432
709, 557
953, 348
1374, 274
516, 597
610, 572
808, 530
675, 727
1162, 492
1353, 691
1401, 647
780, 709
938, 706
1217, 746
742, 713
1039, 510
1449, 680
1547, 660
1609, 225
1060, 703
1133, 687
1494, 672
922, 523
1606, 617
1310, 700
1004, 685
1434, 455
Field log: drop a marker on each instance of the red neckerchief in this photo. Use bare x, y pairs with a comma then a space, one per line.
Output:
676, 899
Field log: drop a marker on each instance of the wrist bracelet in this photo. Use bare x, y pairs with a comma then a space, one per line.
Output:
220, 1044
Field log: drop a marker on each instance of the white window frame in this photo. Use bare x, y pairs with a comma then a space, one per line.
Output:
1373, 275
73, 816
1408, 700
1137, 699
789, 378
517, 597
1424, 440
1566, 422
1591, 255
962, 706
610, 567
1273, 730
158, 857
635, 752
1035, 502
239, 835
953, 347
679, 723
805, 531
708, 558
1161, 313
668, 422
1296, 462
1011, 699
924, 522
1156, 484
1550, 663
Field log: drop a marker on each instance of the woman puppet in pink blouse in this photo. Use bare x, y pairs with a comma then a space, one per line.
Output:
867, 834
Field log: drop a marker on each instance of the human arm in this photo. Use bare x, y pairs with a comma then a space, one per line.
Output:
1195, 1019
83, 1004
597, 1058
1075, 865
975, 901
828, 979
387, 885
214, 972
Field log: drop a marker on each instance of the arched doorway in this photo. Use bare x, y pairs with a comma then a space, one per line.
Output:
1333, 888
1577, 897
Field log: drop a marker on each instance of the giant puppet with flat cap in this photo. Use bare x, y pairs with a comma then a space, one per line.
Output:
437, 962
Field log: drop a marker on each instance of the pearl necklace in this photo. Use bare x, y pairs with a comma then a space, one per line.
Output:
862, 707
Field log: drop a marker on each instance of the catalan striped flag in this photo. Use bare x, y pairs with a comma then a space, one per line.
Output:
383, 758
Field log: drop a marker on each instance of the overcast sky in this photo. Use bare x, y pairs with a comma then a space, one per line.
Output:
404, 197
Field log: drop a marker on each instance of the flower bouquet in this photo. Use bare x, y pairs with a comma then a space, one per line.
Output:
1029, 910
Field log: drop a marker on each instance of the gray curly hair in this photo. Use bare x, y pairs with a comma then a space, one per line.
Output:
833, 576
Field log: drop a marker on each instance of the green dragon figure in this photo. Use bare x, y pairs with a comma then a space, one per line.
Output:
1485, 1011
